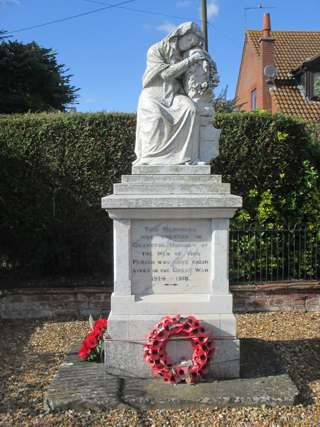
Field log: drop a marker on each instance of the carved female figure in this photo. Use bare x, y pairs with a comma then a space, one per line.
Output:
167, 119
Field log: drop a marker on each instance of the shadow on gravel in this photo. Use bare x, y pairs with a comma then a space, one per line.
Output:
299, 358
23, 374
258, 358
14, 336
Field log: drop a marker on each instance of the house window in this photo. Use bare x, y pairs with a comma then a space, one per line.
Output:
316, 85
253, 100
311, 83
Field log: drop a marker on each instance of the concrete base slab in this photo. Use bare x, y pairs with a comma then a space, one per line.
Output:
83, 385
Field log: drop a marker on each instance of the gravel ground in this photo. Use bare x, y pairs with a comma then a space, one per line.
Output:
32, 351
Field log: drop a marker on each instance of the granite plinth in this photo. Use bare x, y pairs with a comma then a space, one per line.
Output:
160, 179
172, 200
161, 304
171, 226
170, 187
174, 188
126, 358
171, 170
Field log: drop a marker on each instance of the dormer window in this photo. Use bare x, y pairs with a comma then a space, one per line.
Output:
311, 82
308, 75
316, 85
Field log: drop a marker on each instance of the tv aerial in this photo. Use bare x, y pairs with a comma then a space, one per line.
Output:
261, 6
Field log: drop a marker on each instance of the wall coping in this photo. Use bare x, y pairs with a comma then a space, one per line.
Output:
59, 303
277, 287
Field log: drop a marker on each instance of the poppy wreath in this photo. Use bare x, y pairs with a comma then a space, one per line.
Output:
155, 349
92, 346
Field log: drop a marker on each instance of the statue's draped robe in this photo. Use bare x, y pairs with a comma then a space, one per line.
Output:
167, 120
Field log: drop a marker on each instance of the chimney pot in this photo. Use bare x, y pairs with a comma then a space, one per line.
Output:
266, 29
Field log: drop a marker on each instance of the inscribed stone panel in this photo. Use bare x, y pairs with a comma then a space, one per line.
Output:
171, 256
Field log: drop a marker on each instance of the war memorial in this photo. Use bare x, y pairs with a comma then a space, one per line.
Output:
171, 216
171, 308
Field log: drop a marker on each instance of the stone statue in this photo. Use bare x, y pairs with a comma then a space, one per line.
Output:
175, 109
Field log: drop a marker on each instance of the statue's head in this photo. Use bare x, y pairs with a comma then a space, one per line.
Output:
187, 28
186, 36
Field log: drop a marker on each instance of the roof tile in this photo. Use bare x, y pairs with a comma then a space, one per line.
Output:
291, 101
292, 48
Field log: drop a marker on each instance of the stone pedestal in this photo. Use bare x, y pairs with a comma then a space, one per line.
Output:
171, 235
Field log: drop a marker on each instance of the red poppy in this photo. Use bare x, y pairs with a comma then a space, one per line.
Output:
84, 351
91, 341
97, 333
99, 327
101, 324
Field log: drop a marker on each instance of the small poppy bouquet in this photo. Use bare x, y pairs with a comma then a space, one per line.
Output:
92, 347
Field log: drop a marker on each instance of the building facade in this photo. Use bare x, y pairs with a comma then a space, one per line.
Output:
280, 72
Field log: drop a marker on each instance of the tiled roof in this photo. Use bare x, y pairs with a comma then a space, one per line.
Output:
292, 48
290, 101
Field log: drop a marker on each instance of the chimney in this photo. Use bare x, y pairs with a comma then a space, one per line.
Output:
266, 29
267, 53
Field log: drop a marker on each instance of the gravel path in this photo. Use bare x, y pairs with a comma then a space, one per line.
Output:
31, 352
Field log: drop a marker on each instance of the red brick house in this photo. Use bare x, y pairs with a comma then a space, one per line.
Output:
294, 56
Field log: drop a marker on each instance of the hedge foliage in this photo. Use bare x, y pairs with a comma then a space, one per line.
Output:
54, 169
271, 161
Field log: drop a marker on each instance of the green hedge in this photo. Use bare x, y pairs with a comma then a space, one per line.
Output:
273, 162
270, 161
54, 169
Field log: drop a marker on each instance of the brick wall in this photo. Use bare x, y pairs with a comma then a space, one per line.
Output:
54, 303
79, 303
295, 296
251, 74
248, 77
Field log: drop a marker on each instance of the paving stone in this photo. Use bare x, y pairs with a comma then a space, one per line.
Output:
83, 385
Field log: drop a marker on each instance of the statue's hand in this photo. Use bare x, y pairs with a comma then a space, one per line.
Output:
198, 56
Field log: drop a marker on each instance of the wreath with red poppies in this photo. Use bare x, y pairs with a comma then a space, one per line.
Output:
179, 327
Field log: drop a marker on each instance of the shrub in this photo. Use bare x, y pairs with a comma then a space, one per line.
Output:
267, 160
273, 162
